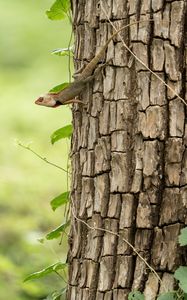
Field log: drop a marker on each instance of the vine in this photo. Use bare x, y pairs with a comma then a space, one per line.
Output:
180, 275
58, 11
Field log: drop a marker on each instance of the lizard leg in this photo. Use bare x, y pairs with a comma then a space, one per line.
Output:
103, 65
72, 101
97, 70
91, 77
100, 68
76, 74
87, 80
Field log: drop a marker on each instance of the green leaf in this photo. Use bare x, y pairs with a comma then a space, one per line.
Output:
63, 51
59, 200
55, 267
167, 296
54, 234
181, 275
185, 296
61, 133
56, 294
41, 240
183, 237
58, 88
136, 295
58, 10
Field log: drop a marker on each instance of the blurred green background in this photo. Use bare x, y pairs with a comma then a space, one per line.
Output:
27, 184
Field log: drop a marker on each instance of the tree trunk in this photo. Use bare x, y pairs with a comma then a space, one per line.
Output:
129, 159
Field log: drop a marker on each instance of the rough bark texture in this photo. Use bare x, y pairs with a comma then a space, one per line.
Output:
129, 155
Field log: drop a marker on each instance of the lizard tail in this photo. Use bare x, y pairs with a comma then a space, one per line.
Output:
88, 70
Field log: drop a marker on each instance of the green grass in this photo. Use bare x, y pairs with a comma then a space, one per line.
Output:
27, 184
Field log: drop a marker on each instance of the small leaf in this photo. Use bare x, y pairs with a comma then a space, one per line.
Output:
56, 295
58, 88
41, 240
63, 51
136, 295
185, 296
61, 133
183, 237
59, 10
181, 275
55, 267
54, 234
167, 296
59, 200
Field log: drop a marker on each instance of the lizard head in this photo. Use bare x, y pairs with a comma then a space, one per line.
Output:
48, 100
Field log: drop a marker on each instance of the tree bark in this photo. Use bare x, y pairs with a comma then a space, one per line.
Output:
129, 156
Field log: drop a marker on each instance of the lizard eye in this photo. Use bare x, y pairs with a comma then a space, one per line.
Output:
40, 99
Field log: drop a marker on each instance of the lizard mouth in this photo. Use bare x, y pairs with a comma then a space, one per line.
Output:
40, 101
58, 103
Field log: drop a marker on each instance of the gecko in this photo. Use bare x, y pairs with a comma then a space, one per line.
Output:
68, 94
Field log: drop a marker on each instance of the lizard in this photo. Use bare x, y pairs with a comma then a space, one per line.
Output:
68, 94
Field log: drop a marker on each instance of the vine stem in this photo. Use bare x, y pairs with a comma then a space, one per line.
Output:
42, 158
60, 276
126, 241
140, 61
69, 56
66, 211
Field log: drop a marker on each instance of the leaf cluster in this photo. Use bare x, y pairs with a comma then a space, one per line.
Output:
59, 10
